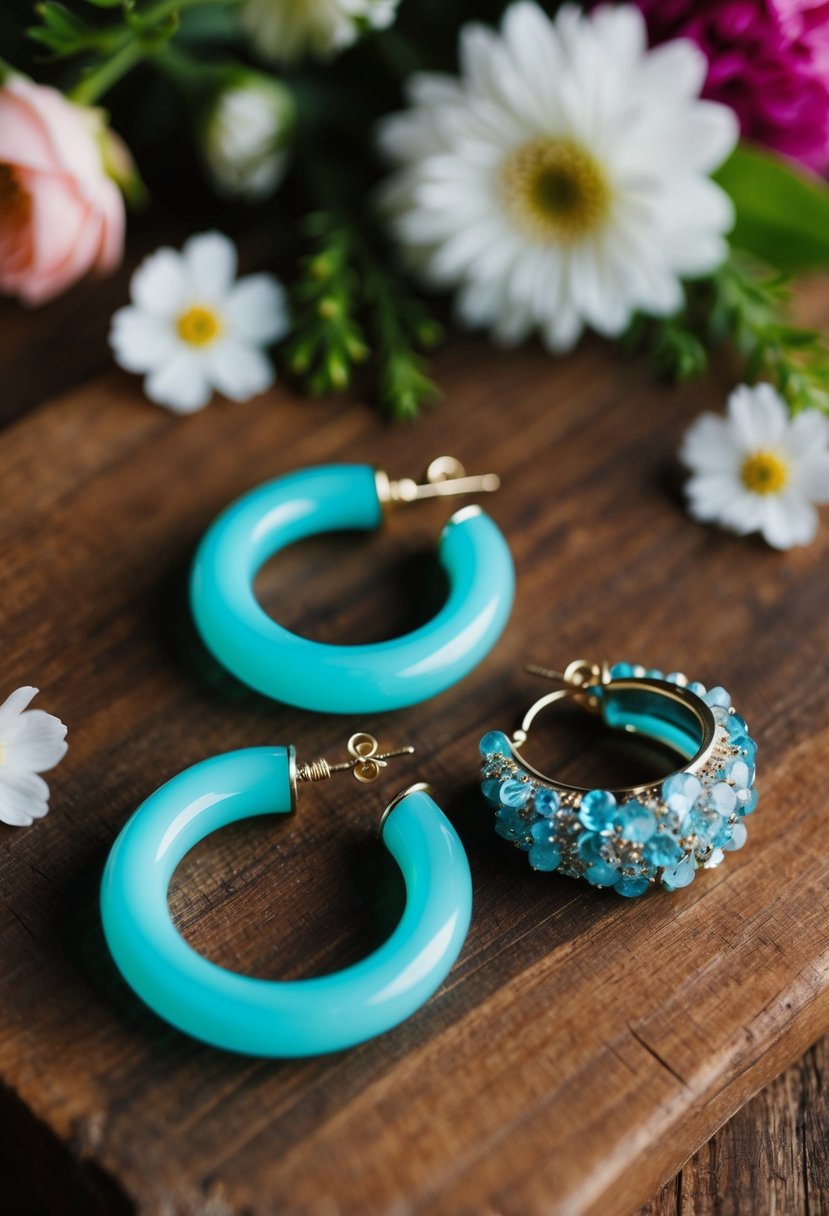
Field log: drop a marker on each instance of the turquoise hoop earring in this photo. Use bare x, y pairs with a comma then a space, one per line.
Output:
268, 1018
350, 679
632, 839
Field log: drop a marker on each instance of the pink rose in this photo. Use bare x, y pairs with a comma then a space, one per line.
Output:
60, 215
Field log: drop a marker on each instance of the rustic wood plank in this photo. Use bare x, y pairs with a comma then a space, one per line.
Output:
584, 1045
773, 1156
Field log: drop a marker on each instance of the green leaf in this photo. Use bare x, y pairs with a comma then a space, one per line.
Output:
62, 31
782, 213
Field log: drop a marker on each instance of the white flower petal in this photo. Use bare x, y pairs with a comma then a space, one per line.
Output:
708, 445
24, 797
813, 476
140, 340
182, 384
239, 371
210, 259
35, 740
758, 416
14, 704
257, 309
674, 70
159, 285
788, 521
808, 431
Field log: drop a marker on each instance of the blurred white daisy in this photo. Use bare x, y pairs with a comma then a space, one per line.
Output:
31, 742
562, 180
287, 30
195, 329
758, 469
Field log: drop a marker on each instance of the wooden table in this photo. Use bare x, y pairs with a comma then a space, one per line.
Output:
584, 1046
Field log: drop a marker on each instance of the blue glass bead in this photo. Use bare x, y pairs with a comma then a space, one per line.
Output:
736, 726
746, 746
739, 835
737, 772
680, 791
696, 687
590, 846
546, 802
724, 835
662, 850
677, 677
653, 673
721, 797
543, 832
491, 790
598, 810
720, 715
747, 804
638, 823
601, 874
704, 823
631, 885
544, 857
515, 793
679, 875
621, 671
717, 696
495, 743
509, 824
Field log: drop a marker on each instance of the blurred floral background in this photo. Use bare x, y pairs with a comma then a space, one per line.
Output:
652, 172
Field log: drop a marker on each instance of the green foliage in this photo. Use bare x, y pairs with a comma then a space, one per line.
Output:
751, 308
782, 214
351, 309
64, 34
747, 306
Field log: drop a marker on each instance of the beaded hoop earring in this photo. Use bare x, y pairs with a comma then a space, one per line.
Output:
630, 839
350, 679
300, 1017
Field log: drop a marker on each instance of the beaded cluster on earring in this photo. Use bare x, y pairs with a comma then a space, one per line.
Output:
662, 833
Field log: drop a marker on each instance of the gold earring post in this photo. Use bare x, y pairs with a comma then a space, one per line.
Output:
445, 476
366, 761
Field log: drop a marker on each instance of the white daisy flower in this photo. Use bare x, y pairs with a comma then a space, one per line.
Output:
195, 329
758, 469
31, 742
245, 136
562, 180
288, 30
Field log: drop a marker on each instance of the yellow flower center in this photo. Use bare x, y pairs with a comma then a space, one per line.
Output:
764, 473
198, 326
555, 190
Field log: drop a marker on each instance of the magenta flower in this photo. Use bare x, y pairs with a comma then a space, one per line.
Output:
768, 60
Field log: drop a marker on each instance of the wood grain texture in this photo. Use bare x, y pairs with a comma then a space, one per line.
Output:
583, 1046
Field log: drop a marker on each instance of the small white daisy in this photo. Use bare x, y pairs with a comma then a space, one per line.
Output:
287, 30
195, 329
758, 469
31, 742
562, 180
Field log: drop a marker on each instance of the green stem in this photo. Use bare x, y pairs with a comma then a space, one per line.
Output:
181, 69
101, 79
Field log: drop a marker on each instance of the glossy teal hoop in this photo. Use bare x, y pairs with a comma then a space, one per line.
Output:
261, 1017
345, 679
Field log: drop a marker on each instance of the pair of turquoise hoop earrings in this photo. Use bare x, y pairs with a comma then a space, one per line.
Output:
628, 839
313, 1016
